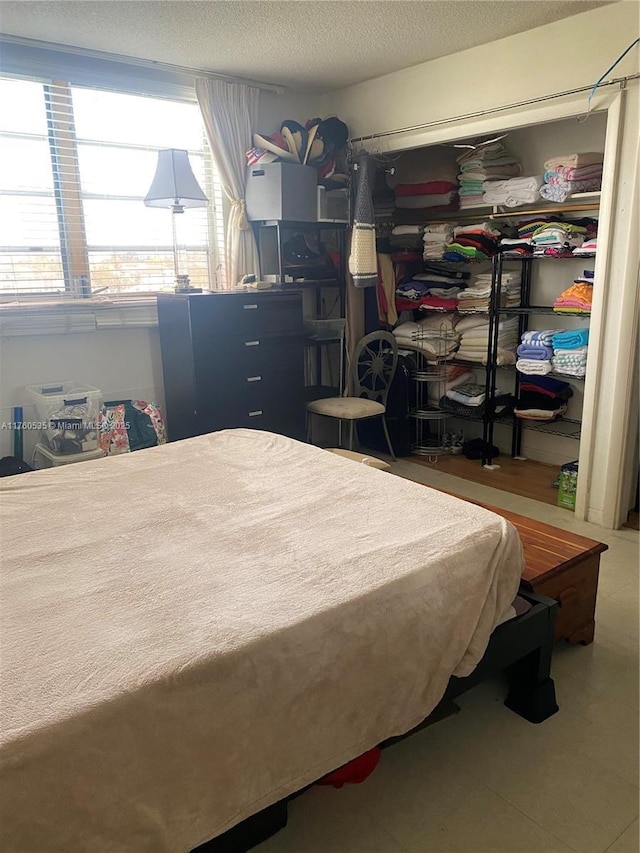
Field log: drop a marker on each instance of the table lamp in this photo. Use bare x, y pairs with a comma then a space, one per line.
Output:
175, 186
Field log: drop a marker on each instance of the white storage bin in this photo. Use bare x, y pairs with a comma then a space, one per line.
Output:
281, 191
43, 457
67, 415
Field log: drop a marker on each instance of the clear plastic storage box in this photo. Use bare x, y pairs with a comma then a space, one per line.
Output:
67, 415
325, 329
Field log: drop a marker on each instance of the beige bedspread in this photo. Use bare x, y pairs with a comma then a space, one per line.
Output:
192, 632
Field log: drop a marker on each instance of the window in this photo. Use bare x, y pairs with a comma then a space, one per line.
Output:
75, 165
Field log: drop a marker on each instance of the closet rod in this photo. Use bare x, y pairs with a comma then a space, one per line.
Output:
620, 81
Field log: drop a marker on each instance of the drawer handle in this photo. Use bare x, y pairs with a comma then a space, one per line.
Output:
255, 414
254, 378
252, 343
250, 307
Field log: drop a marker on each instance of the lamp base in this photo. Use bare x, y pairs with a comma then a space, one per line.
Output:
183, 285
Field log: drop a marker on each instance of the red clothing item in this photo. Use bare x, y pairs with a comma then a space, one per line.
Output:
430, 188
353, 771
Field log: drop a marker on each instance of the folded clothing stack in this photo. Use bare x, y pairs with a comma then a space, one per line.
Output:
557, 238
477, 297
589, 247
436, 287
435, 239
513, 192
516, 247
434, 196
570, 351
434, 343
576, 299
406, 237
535, 352
542, 398
470, 401
572, 173
474, 341
452, 376
421, 293
473, 242
488, 162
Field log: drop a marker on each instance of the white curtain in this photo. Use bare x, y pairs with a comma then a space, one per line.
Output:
230, 114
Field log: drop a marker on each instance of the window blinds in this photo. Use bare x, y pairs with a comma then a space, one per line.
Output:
76, 163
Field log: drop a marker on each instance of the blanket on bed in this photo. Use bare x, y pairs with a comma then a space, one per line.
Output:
192, 632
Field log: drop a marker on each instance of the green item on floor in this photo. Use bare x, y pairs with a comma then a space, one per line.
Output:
568, 485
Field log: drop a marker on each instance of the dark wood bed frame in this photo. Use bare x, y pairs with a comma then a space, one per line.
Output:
521, 648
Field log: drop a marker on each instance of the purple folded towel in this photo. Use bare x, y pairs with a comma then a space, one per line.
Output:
538, 353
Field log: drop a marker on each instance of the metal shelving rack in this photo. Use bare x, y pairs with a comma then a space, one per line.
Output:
565, 427
324, 370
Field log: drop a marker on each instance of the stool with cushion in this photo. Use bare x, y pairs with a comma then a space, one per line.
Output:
373, 366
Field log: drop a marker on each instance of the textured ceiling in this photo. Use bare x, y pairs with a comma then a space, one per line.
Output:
310, 46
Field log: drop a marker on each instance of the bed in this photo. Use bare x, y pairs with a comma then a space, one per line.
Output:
192, 633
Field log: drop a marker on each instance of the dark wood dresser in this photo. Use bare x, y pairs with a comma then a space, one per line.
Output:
232, 360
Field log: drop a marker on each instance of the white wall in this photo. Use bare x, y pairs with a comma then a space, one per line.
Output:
122, 363
274, 108
543, 61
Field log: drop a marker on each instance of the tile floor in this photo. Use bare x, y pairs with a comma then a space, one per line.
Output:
485, 780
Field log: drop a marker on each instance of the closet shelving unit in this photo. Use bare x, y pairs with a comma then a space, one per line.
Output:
564, 427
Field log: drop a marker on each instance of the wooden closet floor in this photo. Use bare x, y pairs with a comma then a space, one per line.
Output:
526, 477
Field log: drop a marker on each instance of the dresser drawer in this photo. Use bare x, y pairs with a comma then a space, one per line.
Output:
282, 419
254, 314
259, 355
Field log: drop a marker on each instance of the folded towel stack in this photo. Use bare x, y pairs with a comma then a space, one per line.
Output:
434, 196
513, 192
571, 339
535, 352
474, 341
477, 297
435, 239
540, 338
473, 242
542, 398
572, 362
406, 237
571, 173
575, 299
570, 351
557, 238
432, 342
489, 162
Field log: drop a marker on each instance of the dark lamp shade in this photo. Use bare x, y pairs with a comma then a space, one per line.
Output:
174, 183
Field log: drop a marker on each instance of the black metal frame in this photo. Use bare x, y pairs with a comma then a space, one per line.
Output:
521, 647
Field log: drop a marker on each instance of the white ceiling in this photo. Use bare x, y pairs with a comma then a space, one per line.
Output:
309, 46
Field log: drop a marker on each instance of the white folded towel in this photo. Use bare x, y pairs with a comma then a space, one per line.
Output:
586, 158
